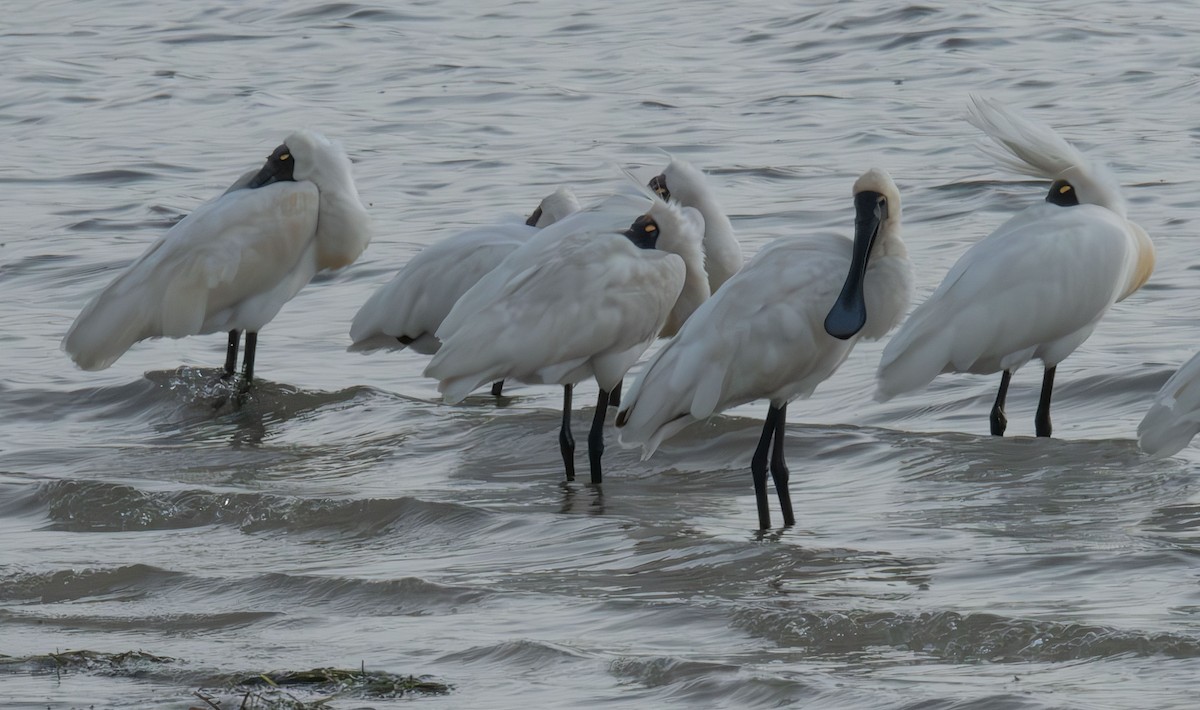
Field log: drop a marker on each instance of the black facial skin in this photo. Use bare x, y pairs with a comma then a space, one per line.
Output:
658, 183
849, 312
644, 232
533, 218
279, 168
1062, 193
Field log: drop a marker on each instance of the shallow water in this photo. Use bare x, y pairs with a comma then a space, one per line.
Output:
344, 517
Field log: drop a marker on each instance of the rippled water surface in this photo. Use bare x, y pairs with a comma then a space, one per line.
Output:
344, 517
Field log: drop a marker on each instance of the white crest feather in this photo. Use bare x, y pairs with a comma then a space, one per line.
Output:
1032, 148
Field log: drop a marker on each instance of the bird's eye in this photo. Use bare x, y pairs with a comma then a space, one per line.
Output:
1062, 193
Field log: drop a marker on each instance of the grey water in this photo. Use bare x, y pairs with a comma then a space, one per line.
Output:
344, 516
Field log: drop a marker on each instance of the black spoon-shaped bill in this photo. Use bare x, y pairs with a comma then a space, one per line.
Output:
278, 168
849, 312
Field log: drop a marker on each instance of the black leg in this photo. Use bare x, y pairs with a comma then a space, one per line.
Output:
566, 442
248, 359
1041, 421
614, 397
497, 388
596, 435
231, 355
758, 469
779, 470
999, 421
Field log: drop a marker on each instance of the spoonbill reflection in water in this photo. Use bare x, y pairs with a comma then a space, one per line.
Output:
576, 301
776, 330
1034, 288
407, 311
232, 263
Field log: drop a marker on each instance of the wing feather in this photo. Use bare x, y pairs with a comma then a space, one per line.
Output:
239, 244
591, 294
1043, 276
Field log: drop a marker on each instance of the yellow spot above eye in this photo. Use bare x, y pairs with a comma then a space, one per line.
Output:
651, 227
285, 156
1064, 189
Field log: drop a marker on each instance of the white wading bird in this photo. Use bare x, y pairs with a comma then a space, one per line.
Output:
686, 184
407, 311
776, 330
1035, 287
1174, 417
232, 263
578, 300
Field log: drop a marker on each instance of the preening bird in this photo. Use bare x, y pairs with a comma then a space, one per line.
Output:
776, 330
578, 300
1174, 417
685, 183
407, 311
232, 263
1034, 288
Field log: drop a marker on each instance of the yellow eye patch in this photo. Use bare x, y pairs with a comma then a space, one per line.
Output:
1064, 189
285, 156
651, 227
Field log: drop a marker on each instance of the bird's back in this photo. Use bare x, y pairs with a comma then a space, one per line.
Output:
416, 301
1032, 288
239, 245
760, 336
589, 295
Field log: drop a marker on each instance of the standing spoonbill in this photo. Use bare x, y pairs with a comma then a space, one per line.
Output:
777, 329
407, 311
574, 302
1034, 288
232, 263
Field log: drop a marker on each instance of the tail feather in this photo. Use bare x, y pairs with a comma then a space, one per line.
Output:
904, 370
1174, 417
107, 327
680, 385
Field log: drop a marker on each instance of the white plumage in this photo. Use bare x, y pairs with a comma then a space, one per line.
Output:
764, 334
1174, 417
1034, 288
578, 300
233, 262
684, 182
408, 310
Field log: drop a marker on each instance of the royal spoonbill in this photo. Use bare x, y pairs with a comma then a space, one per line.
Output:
1174, 417
1034, 288
576, 301
684, 182
232, 263
776, 330
407, 311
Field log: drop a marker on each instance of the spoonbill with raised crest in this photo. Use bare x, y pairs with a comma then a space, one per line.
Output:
1034, 288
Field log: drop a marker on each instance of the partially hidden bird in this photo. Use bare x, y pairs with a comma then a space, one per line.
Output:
407, 311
